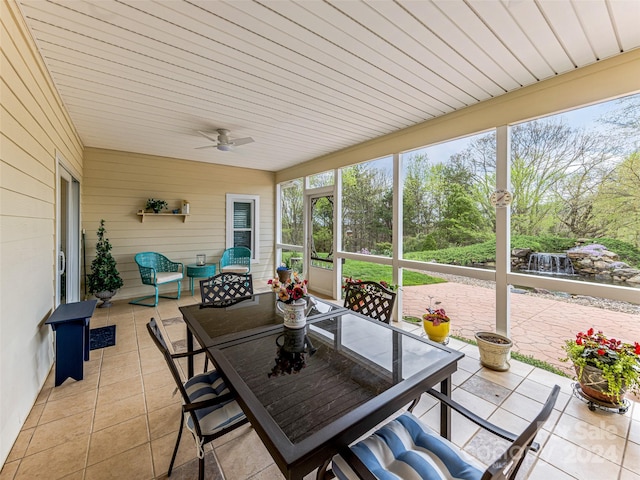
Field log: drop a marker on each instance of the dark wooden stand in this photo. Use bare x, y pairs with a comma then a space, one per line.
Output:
70, 321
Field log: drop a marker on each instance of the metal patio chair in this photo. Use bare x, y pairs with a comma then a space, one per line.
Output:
407, 445
370, 299
155, 270
210, 408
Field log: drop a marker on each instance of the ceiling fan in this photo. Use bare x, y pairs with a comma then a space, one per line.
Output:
223, 142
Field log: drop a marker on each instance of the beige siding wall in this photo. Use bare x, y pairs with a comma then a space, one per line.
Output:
34, 127
117, 185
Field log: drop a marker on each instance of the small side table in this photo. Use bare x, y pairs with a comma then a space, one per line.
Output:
200, 271
70, 321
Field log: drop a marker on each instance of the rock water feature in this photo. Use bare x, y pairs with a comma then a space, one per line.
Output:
553, 263
589, 261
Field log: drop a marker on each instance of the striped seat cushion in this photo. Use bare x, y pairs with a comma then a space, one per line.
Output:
406, 449
212, 419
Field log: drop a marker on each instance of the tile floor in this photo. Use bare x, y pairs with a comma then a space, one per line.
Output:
121, 420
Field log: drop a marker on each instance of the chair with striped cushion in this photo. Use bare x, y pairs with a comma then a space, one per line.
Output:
405, 448
210, 407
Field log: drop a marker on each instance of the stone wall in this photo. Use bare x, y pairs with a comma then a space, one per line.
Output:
601, 264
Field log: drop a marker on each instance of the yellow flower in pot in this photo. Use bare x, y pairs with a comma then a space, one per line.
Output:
436, 324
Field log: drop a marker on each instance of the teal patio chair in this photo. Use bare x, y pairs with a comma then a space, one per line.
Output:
156, 270
236, 260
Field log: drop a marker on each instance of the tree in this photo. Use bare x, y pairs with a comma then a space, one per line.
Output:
104, 276
292, 217
619, 201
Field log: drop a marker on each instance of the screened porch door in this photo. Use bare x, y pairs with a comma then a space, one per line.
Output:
320, 243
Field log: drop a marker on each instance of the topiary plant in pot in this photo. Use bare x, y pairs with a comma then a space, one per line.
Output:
104, 279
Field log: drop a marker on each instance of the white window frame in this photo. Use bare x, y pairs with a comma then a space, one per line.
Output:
232, 199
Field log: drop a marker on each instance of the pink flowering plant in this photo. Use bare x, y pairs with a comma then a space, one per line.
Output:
435, 315
293, 289
619, 361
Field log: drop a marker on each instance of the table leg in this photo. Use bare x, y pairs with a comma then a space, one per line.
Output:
87, 340
191, 285
189, 349
69, 351
445, 410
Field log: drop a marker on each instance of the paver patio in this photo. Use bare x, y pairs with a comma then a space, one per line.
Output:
539, 326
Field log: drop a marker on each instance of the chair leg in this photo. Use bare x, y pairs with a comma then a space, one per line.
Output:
323, 473
175, 450
201, 468
156, 296
413, 404
139, 301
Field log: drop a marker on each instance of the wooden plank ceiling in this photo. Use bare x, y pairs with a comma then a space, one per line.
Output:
303, 78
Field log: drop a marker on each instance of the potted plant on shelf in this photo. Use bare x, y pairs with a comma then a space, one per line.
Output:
436, 323
494, 350
606, 368
104, 279
156, 206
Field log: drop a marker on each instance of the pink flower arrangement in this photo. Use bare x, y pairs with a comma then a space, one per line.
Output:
293, 289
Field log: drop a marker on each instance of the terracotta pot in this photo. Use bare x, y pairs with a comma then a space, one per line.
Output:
284, 275
594, 385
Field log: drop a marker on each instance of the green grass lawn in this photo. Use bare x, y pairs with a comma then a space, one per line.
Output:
373, 272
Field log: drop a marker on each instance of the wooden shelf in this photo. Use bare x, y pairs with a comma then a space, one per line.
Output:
145, 214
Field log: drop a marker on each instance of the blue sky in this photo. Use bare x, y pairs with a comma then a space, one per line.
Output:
582, 117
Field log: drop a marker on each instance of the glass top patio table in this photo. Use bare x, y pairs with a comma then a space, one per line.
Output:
311, 391
254, 314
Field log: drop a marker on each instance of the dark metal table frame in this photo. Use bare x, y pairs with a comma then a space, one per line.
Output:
295, 460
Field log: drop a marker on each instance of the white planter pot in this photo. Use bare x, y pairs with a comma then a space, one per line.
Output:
294, 313
494, 350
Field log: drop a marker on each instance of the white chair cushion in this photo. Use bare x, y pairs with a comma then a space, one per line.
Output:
406, 449
206, 386
235, 269
165, 277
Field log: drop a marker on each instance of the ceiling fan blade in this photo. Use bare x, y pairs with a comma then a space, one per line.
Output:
205, 146
242, 141
207, 135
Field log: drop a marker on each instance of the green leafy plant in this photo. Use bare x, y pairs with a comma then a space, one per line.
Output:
104, 276
156, 205
619, 361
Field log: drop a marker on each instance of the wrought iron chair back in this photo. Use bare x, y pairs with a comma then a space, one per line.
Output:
225, 289
370, 299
